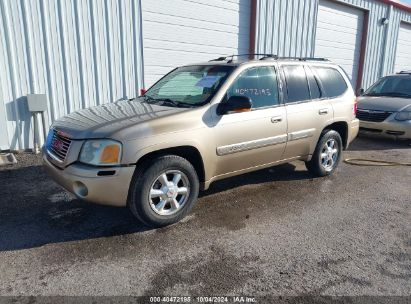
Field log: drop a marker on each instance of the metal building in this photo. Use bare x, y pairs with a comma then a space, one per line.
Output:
88, 52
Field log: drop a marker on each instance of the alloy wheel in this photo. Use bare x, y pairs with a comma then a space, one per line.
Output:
329, 155
169, 192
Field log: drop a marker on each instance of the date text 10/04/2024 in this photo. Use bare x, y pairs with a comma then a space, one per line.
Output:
203, 299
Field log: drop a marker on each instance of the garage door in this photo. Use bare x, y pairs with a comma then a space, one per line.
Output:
403, 56
338, 36
180, 32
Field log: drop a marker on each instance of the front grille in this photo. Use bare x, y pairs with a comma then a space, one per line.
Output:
58, 145
375, 116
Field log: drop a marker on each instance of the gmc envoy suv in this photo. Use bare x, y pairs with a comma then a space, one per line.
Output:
201, 123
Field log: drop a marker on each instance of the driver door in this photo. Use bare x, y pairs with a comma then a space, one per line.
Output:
257, 137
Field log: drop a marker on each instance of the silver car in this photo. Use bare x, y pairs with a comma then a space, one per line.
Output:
385, 108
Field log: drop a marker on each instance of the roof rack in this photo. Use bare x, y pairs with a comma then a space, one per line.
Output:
295, 58
230, 58
224, 58
405, 72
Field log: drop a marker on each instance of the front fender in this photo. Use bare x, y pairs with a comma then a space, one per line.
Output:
132, 156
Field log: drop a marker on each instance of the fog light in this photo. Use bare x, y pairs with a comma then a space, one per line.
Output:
80, 189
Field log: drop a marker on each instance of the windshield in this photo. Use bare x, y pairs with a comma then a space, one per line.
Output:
188, 86
391, 86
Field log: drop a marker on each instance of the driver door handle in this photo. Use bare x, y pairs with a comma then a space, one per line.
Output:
276, 119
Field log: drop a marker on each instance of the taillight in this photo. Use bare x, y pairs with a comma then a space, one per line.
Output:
355, 106
142, 92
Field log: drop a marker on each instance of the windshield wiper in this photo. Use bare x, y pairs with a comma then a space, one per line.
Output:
390, 94
149, 99
401, 95
174, 103
167, 102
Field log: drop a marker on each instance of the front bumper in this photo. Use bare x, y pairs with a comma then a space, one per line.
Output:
85, 183
390, 128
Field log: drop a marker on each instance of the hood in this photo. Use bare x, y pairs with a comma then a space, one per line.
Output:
381, 103
104, 120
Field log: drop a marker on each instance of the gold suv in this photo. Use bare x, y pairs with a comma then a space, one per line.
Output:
201, 123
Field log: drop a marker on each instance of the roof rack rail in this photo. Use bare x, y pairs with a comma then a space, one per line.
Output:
295, 58
405, 72
230, 58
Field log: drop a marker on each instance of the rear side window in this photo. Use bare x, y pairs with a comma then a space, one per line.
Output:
297, 85
332, 81
259, 84
312, 82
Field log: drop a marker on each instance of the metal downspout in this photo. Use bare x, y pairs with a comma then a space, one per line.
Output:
383, 61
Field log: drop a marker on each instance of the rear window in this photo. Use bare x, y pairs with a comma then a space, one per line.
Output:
333, 83
297, 85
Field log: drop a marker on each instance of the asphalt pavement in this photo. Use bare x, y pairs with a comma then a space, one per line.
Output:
277, 231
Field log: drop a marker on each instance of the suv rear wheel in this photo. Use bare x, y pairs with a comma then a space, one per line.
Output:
327, 154
163, 190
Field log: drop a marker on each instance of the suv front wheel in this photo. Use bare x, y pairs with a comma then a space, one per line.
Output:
327, 154
163, 190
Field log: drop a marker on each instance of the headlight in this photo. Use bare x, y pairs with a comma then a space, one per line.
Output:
101, 152
405, 114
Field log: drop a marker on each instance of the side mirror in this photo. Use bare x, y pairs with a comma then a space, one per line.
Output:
234, 104
360, 92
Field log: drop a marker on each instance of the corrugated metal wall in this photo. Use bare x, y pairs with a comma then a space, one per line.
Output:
88, 52
79, 52
287, 28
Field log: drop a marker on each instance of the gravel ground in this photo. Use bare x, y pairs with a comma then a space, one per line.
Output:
273, 232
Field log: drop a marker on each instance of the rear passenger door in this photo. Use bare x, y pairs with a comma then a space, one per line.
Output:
308, 111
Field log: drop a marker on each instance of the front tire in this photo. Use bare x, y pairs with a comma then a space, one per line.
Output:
327, 154
163, 190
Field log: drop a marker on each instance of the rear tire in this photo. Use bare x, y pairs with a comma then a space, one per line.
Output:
327, 154
163, 190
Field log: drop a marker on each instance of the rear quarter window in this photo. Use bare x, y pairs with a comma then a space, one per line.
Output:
332, 81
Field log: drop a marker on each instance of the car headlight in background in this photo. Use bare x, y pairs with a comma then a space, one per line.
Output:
405, 114
101, 152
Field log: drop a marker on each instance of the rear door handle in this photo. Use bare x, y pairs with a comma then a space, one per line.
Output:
276, 119
323, 111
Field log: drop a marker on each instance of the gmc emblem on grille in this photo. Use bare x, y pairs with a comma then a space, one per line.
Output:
57, 144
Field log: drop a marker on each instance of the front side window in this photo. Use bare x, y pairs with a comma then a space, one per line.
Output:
297, 85
333, 83
259, 84
189, 85
395, 86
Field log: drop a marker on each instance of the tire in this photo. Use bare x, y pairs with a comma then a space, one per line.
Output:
323, 165
159, 200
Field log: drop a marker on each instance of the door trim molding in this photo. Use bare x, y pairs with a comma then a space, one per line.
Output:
301, 134
251, 145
